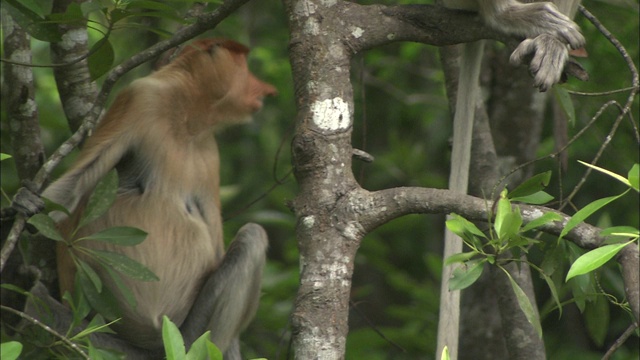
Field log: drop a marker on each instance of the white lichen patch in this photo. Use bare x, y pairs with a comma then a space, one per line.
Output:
308, 221
356, 32
331, 114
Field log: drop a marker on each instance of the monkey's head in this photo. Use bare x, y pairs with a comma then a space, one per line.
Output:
219, 71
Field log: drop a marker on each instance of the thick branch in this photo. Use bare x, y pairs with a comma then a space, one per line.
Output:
377, 208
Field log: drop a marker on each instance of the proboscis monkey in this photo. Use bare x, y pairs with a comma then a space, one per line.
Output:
549, 33
159, 135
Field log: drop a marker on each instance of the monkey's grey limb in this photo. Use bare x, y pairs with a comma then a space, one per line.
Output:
229, 298
549, 57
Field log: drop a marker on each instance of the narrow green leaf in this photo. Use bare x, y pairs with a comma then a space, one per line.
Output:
594, 259
91, 274
554, 292
537, 198
119, 235
10, 350
542, 220
122, 287
605, 171
101, 58
101, 199
445, 354
586, 211
465, 276
564, 99
200, 349
4, 156
104, 303
502, 210
172, 339
459, 258
531, 186
525, 305
621, 231
126, 265
634, 177
510, 226
46, 226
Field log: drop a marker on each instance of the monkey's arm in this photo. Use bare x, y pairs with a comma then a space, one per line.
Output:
230, 295
101, 153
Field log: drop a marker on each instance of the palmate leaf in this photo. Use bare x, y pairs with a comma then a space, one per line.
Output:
46, 226
125, 265
101, 199
119, 235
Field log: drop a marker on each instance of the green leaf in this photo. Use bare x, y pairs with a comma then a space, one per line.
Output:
91, 274
634, 177
203, 348
46, 226
459, 258
172, 339
605, 171
594, 259
586, 211
537, 198
10, 350
531, 186
621, 231
507, 223
31, 21
101, 199
542, 220
466, 275
525, 305
125, 265
445, 354
554, 292
4, 156
564, 99
122, 287
119, 235
463, 228
597, 317
101, 58
103, 302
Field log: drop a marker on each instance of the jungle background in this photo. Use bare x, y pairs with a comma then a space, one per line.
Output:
403, 119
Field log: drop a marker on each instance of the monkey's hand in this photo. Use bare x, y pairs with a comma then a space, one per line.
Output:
532, 20
548, 58
27, 201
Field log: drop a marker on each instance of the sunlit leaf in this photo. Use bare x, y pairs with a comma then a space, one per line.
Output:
465, 276
586, 211
172, 339
605, 171
459, 258
542, 220
594, 259
531, 186
10, 350
537, 198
